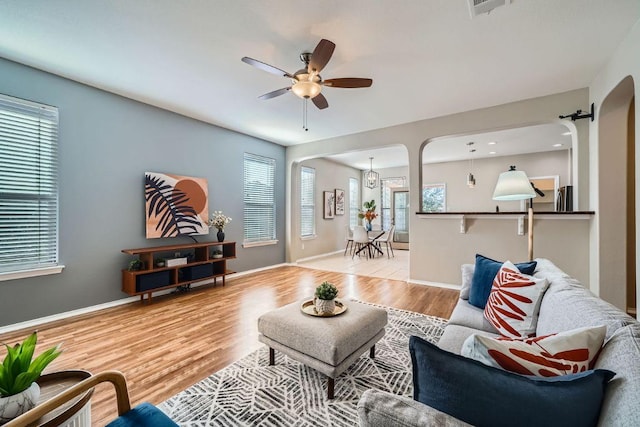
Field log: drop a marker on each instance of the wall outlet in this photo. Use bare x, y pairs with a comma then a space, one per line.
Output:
303, 246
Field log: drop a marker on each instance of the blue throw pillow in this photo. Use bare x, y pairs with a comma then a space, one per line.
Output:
485, 396
483, 275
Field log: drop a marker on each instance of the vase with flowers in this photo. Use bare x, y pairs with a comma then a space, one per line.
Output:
219, 220
368, 213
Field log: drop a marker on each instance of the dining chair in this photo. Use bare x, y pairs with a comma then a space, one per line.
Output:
361, 241
388, 239
348, 238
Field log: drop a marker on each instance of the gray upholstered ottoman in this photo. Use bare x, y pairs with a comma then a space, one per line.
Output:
327, 344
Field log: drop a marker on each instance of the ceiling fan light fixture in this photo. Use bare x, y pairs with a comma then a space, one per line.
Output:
306, 89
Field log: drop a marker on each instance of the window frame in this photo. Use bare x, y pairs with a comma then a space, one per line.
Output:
249, 242
17, 118
311, 205
442, 185
354, 203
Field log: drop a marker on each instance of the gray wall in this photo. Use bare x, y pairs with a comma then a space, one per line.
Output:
106, 143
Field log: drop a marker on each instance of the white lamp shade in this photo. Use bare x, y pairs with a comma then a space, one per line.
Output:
513, 185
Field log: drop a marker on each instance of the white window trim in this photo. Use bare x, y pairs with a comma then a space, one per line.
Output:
11, 275
309, 237
254, 244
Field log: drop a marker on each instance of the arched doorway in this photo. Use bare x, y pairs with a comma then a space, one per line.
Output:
616, 197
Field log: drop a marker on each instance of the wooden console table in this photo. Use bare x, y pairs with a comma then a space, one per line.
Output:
200, 265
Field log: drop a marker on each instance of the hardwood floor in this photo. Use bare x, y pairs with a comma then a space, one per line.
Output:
177, 340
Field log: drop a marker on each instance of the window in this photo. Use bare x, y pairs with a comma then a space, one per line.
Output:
307, 202
434, 197
28, 188
354, 202
385, 189
259, 200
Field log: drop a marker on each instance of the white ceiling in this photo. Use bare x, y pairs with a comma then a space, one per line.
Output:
427, 58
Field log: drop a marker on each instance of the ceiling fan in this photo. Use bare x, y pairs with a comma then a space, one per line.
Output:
307, 82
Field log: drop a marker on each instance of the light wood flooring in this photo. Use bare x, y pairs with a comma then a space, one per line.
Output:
178, 340
396, 267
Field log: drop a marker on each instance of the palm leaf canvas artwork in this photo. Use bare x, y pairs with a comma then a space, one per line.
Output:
175, 205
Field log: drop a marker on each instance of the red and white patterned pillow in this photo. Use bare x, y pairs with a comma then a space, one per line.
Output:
514, 302
546, 356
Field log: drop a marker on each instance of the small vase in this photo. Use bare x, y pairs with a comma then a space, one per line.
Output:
324, 306
369, 226
19, 403
220, 236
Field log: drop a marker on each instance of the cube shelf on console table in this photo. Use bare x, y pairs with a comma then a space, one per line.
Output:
199, 266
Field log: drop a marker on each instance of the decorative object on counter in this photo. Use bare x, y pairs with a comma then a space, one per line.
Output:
370, 177
325, 298
135, 265
19, 371
217, 253
175, 205
368, 214
515, 185
219, 220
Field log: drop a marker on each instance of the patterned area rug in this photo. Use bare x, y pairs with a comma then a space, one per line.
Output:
250, 392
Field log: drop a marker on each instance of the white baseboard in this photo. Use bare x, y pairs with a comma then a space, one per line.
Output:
319, 256
437, 284
30, 324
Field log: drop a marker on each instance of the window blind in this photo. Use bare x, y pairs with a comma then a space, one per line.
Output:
385, 195
354, 202
259, 198
307, 201
28, 185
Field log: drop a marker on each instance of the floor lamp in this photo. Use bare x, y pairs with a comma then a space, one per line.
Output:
515, 185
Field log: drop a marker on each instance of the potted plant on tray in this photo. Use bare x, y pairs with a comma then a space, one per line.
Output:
19, 391
325, 298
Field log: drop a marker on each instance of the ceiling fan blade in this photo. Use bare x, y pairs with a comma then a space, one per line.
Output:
320, 101
348, 82
266, 67
320, 56
275, 93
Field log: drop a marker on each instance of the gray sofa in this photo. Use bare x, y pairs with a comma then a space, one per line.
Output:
566, 305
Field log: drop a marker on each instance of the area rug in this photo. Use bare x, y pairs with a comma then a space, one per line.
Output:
249, 392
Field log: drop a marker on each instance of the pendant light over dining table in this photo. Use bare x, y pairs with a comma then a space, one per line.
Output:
370, 177
471, 180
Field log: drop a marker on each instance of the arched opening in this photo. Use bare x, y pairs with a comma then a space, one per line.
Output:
616, 197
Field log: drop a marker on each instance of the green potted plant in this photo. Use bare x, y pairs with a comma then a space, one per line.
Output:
135, 265
19, 391
216, 253
325, 298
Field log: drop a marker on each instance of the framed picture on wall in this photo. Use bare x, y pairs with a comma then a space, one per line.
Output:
339, 202
329, 205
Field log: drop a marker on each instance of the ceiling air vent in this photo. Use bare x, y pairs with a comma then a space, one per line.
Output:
478, 7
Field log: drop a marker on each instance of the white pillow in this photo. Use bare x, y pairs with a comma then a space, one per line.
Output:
514, 302
467, 277
551, 355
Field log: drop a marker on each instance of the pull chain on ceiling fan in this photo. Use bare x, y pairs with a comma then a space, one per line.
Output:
307, 82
